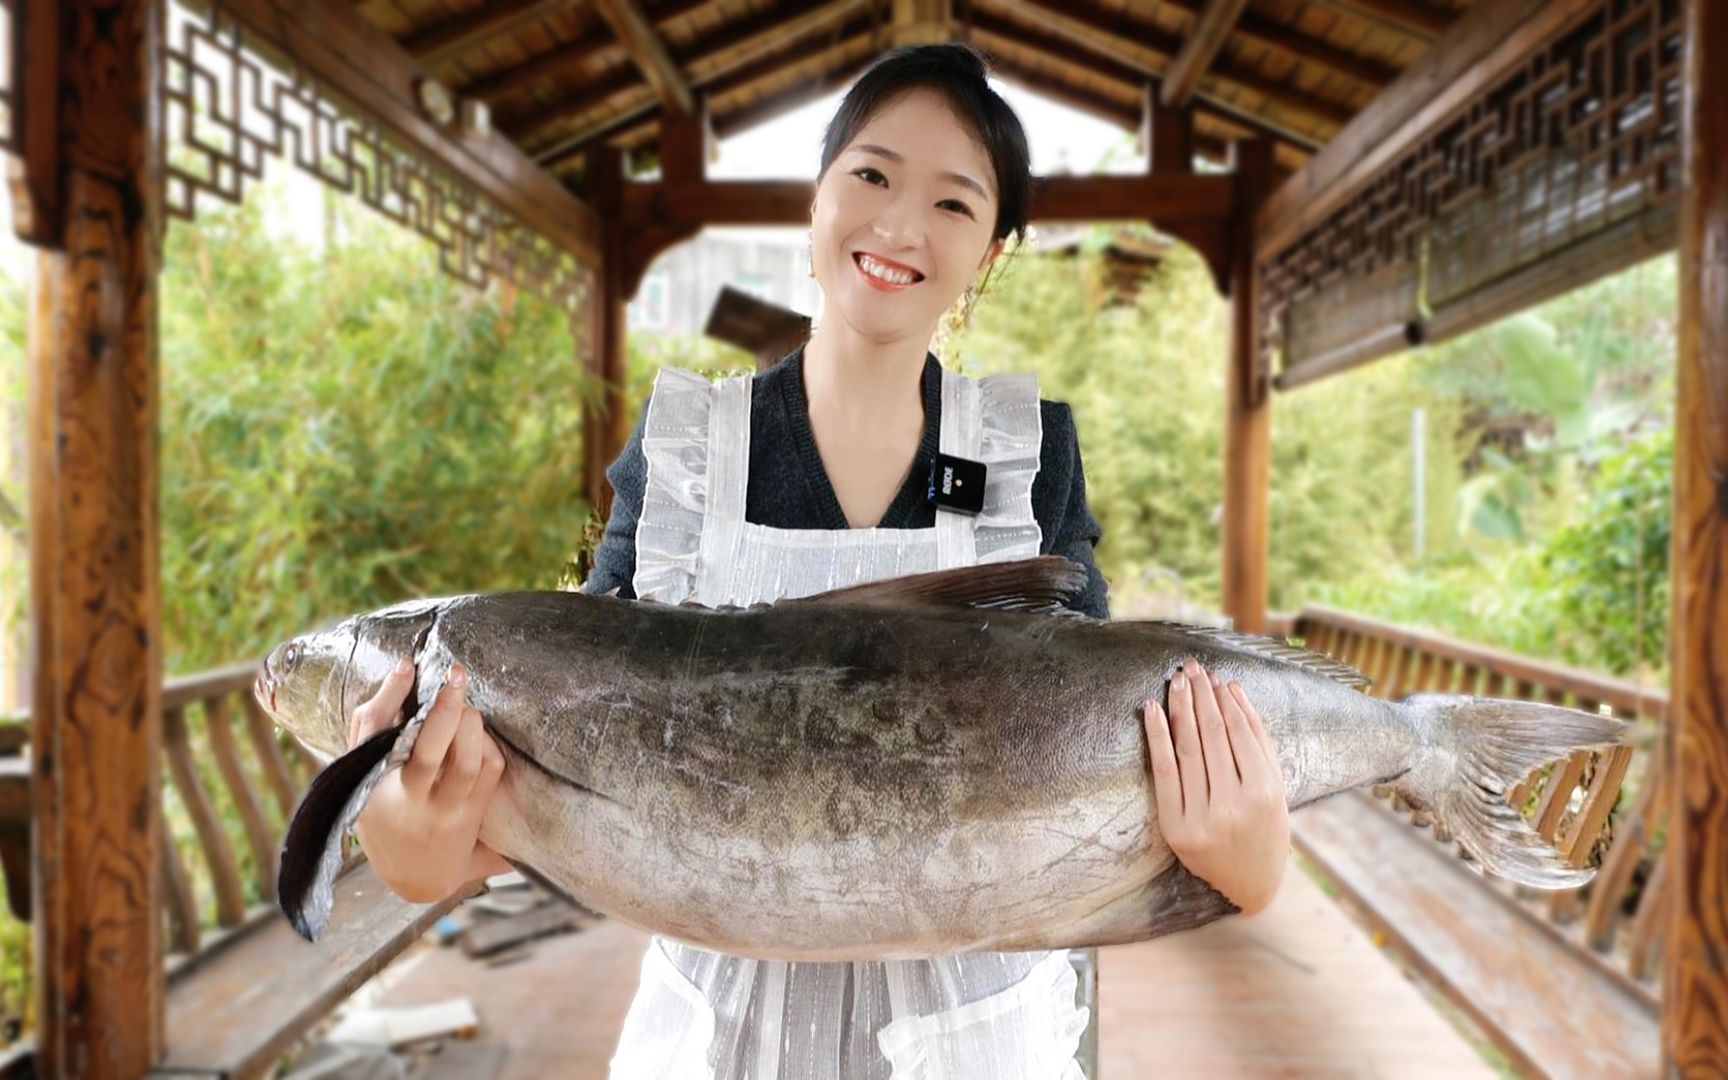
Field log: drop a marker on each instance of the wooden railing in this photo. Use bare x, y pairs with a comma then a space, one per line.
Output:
205, 720
1576, 804
218, 747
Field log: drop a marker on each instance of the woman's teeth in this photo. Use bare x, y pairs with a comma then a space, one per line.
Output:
883, 272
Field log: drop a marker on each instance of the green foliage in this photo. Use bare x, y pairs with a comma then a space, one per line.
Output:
346, 428
1146, 382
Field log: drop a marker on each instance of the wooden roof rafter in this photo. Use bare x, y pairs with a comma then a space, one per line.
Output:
1274, 35
453, 37
995, 29
1205, 38
1121, 36
992, 31
648, 52
1411, 18
716, 71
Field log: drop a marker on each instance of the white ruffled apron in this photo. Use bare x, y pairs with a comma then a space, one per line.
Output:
700, 1015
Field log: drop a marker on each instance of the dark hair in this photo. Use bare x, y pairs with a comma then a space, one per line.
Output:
957, 72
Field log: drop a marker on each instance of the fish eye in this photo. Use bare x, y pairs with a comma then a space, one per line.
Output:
290, 656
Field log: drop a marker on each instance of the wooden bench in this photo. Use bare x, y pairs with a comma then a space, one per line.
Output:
242, 987
1562, 982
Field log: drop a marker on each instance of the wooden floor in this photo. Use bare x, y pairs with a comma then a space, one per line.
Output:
1297, 991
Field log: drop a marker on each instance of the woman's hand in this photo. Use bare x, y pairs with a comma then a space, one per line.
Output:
421, 827
1219, 788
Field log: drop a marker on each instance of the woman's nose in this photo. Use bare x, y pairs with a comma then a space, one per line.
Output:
898, 225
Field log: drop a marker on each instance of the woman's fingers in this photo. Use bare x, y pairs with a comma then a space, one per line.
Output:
1250, 753
423, 765
1214, 740
383, 707
1255, 723
1185, 736
1166, 777
462, 763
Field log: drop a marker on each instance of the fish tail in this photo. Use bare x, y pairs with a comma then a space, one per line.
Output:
312, 845
1478, 750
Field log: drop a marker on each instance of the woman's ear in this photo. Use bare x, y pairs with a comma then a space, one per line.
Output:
991, 254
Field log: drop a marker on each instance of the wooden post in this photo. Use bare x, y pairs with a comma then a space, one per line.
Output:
1695, 966
96, 611
605, 428
1248, 408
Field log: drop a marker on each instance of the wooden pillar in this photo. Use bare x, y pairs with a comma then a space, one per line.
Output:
1695, 967
1248, 408
605, 427
95, 605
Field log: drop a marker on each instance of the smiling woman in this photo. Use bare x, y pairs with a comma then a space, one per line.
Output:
814, 476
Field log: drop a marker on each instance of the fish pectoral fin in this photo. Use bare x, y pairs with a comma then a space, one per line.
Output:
1174, 901
312, 845
1038, 585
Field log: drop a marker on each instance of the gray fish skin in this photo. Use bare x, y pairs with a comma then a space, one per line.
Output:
820, 782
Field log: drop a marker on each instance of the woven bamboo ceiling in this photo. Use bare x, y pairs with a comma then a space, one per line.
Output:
560, 76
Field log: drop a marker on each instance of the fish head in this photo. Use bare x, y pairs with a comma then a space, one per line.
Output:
311, 684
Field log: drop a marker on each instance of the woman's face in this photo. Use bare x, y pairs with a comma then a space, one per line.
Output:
904, 219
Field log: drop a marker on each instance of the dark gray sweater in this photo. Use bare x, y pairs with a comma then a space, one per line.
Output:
788, 488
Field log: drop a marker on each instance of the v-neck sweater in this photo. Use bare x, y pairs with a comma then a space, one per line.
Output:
788, 486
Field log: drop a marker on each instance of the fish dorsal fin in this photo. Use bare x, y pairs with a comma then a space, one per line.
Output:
1039, 584
1275, 649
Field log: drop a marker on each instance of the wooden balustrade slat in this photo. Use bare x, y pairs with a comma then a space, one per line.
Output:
219, 725
1558, 794
183, 922
269, 754
1646, 936
218, 852
1599, 799
1623, 859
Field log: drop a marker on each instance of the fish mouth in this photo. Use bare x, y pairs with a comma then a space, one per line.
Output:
264, 692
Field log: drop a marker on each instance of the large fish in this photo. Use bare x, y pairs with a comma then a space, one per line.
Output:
928, 765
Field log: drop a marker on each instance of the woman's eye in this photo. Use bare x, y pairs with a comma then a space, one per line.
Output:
957, 206
871, 176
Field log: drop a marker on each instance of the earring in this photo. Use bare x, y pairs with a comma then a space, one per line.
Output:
966, 307
810, 254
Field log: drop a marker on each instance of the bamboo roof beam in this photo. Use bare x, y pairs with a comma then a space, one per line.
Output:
1119, 35
1205, 38
1414, 20
648, 53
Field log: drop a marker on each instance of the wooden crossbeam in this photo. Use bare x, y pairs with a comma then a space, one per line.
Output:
1199, 50
453, 37
1132, 40
648, 53
1275, 35
1412, 19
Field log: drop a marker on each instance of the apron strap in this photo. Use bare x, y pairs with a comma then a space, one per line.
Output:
962, 436
728, 476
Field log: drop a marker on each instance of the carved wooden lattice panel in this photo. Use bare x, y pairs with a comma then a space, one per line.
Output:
1566, 169
227, 108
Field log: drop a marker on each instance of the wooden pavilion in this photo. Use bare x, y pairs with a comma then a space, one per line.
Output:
1394, 171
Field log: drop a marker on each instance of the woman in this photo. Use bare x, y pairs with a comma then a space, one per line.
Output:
816, 475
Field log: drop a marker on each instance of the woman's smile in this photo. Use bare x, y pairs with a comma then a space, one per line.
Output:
884, 273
